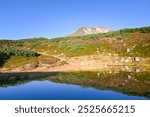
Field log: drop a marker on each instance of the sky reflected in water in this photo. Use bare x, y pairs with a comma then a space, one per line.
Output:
47, 90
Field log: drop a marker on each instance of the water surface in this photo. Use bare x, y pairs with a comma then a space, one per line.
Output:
75, 86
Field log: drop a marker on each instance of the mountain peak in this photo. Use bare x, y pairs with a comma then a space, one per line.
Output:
89, 30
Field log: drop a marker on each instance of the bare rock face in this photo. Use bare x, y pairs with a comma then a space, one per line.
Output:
89, 30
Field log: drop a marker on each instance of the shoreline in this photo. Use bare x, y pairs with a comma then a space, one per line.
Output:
76, 68
84, 63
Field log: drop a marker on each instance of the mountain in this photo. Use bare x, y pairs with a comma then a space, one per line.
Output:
130, 46
89, 30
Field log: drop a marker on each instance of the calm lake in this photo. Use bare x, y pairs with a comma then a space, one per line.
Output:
75, 86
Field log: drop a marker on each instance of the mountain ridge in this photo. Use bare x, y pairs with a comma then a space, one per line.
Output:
89, 30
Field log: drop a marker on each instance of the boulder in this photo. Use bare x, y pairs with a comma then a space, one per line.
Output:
122, 59
137, 70
109, 54
129, 76
126, 61
137, 59
128, 50
126, 68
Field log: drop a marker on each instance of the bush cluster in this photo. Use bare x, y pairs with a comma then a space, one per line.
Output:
18, 52
7, 43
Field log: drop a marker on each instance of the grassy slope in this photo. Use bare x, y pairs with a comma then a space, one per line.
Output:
17, 61
112, 42
117, 42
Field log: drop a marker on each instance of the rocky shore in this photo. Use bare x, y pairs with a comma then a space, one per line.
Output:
83, 63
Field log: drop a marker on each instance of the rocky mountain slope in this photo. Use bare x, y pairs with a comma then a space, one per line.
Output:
122, 47
89, 30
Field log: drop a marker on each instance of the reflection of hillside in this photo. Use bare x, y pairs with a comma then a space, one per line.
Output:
138, 84
12, 79
124, 82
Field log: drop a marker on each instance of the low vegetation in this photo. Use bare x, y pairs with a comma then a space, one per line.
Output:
7, 53
18, 52
136, 40
19, 61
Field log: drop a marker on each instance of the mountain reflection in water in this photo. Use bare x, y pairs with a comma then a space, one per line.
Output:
75, 85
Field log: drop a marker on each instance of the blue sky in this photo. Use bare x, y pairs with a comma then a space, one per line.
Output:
54, 18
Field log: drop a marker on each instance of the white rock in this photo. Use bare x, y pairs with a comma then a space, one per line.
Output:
126, 68
130, 70
109, 54
128, 50
137, 70
123, 69
116, 62
123, 84
98, 74
122, 59
124, 44
129, 76
126, 60
116, 55
137, 59
116, 71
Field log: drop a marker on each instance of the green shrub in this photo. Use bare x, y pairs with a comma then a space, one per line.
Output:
71, 46
19, 52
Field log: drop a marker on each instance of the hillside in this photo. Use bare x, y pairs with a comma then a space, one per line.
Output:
125, 46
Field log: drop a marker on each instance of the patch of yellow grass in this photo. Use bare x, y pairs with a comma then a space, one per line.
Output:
48, 59
17, 61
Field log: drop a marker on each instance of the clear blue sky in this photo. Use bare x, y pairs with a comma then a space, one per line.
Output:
55, 18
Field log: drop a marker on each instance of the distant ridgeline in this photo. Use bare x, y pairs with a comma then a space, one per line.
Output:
136, 40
